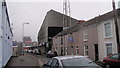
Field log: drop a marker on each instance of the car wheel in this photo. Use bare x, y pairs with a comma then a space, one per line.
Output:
107, 66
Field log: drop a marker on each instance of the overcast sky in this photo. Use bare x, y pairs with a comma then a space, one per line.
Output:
34, 11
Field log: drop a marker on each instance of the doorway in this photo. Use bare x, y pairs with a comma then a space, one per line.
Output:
96, 52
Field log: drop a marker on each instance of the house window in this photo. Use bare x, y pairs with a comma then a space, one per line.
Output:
109, 48
85, 50
85, 36
61, 40
77, 50
108, 32
70, 38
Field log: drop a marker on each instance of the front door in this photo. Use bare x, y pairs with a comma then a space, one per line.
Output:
61, 51
96, 52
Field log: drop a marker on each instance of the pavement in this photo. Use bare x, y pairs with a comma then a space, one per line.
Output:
24, 61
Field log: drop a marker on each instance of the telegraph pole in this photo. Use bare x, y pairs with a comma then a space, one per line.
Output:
116, 25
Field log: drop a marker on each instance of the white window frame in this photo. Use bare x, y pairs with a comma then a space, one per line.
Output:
105, 31
77, 50
61, 40
109, 46
85, 50
66, 51
85, 35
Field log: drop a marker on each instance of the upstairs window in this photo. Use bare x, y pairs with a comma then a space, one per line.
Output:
61, 40
70, 38
85, 35
108, 31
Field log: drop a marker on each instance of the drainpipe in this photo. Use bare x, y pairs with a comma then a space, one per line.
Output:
116, 25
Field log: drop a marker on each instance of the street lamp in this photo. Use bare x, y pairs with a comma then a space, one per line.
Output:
23, 30
23, 34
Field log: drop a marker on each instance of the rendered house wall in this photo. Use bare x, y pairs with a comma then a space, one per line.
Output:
0, 33
5, 35
102, 40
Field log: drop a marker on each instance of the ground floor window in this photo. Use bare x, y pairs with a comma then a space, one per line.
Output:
85, 50
77, 50
72, 51
108, 48
66, 51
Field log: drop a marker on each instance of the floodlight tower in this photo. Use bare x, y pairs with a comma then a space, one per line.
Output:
119, 4
66, 14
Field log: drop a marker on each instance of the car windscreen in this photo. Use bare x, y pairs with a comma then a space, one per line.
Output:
82, 61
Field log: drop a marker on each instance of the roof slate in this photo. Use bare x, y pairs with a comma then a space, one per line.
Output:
95, 20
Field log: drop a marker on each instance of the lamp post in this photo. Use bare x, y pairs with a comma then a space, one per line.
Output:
23, 30
23, 35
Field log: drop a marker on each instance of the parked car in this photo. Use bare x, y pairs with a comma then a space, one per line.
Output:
112, 61
38, 52
33, 51
70, 62
30, 51
50, 54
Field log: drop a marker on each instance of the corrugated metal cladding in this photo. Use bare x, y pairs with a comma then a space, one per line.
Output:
5, 35
52, 19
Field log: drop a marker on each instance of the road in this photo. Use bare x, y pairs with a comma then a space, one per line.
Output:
43, 58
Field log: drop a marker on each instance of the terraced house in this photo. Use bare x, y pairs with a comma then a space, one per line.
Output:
95, 38
107, 34
78, 40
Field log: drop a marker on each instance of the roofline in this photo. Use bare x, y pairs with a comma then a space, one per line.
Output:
92, 21
4, 4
